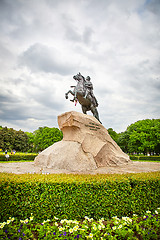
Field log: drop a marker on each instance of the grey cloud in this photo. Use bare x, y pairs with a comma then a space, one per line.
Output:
84, 37
156, 83
11, 109
5, 53
73, 33
115, 42
87, 35
12, 113
39, 106
7, 98
46, 98
11, 16
39, 58
154, 6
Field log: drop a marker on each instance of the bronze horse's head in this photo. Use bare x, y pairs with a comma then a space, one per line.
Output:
78, 77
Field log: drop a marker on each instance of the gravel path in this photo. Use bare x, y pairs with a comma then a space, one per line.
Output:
28, 167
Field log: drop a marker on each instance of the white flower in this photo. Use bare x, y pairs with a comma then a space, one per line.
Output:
55, 218
90, 235
120, 226
76, 228
116, 222
45, 221
31, 218
116, 218
70, 221
148, 211
71, 230
102, 225
156, 212
75, 222
114, 228
26, 220
94, 227
62, 221
8, 221
99, 227
2, 224
61, 229
56, 224
89, 219
127, 219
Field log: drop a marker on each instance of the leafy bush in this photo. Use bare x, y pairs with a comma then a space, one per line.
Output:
145, 158
18, 157
75, 196
137, 227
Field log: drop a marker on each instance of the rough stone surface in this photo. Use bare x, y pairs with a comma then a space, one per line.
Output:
86, 146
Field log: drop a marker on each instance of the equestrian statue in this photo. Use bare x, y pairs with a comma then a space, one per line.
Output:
83, 93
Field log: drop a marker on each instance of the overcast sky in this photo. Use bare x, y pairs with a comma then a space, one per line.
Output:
43, 43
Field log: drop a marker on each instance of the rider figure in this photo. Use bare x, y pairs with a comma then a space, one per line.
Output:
89, 91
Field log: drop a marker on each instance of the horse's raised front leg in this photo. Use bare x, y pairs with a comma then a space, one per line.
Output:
66, 94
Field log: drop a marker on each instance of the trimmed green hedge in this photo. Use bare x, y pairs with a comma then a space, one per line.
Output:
145, 158
18, 157
72, 199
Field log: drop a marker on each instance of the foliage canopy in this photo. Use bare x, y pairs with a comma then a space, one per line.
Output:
45, 137
12, 139
141, 137
22, 142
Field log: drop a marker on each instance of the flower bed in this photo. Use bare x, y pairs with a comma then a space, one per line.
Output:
17, 157
135, 227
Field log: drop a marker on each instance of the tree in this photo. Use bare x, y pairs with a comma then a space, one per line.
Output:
122, 141
12, 139
45, 137
113, 134
141, 137
31, 144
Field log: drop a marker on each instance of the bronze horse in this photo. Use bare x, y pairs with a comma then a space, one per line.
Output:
89, 102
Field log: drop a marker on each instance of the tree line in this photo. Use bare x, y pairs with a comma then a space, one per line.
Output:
20, 141
140, 137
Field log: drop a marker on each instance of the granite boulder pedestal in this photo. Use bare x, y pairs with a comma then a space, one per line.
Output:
86, 146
